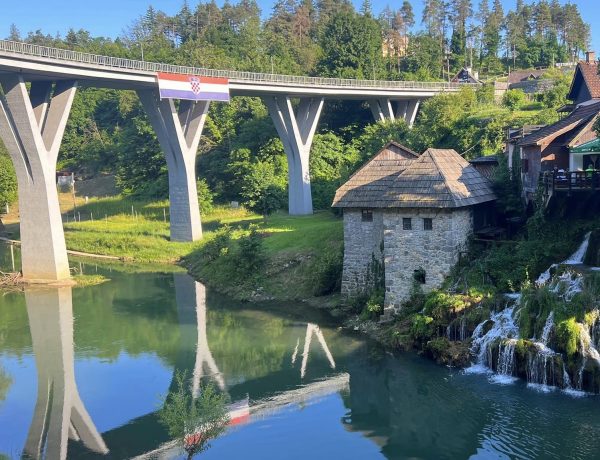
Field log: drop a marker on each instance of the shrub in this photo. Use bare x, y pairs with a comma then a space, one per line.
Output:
8, 181
327, 272
252, 256
514, 99
374, 305
421, 328
567, 336
205, 196
218, 245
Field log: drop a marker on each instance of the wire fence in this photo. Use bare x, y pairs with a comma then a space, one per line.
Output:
28, 49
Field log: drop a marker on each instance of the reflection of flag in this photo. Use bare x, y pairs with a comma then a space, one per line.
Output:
239, 412
192, 87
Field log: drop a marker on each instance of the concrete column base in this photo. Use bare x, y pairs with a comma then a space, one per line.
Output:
32, 126
296, 132
178, 132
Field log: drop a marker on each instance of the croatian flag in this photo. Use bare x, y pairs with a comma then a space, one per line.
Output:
192, 87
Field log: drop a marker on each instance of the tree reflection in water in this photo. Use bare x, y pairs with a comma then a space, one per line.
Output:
194, 419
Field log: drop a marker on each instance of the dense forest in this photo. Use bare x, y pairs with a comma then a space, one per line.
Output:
241, 157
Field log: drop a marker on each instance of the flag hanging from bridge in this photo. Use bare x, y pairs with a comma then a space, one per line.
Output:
192, 87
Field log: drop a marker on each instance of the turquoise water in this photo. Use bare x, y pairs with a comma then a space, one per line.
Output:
97, 362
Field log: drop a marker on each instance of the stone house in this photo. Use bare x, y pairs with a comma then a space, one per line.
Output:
410, 215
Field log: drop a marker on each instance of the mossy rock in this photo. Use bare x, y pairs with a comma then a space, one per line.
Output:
443, 351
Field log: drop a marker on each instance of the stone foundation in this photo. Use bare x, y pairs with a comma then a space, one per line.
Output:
362, 242
434, 252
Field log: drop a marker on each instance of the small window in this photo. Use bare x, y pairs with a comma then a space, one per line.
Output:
427, 223
407, 223
367, 215
419, 276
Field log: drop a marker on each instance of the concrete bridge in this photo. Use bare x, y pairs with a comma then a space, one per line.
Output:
32, 124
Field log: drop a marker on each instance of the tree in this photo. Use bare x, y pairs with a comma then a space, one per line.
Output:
351, 47
513, 99
14, 33
8, 181
193, 420
462, 12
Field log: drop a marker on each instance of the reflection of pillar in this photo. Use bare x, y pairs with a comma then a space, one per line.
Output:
59, 412
191, 296
313, 329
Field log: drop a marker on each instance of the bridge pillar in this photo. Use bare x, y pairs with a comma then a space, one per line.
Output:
32, 127
59, 412
411, 112
178, 132
296, 132
383, 109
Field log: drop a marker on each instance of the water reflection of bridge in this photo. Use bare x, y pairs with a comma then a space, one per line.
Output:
60, 414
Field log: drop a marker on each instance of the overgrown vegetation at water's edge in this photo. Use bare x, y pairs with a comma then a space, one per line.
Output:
441, 323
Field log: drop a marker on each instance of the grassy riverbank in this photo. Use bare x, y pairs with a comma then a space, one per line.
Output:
291, 249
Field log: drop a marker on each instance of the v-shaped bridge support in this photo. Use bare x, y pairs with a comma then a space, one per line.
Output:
178, 132
32, 127
296, 132
59, 412
387, 109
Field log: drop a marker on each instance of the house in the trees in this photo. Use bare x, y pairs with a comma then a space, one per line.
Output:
586, 81
466, 75
410, 215
548, 148
529, 81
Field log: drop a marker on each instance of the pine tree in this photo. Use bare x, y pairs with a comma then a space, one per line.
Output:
14, 33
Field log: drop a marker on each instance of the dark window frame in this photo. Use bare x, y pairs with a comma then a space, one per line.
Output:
407, 223
366, 215
427, 223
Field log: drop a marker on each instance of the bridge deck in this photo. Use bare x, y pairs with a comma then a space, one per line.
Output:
38, 62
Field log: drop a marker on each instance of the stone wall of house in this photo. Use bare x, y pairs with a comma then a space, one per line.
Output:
362, 242
435, 251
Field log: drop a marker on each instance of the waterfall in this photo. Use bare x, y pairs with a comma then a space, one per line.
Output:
463, 328
547, 329
501, 332
506, 357
538, 369
494, 340
574, 259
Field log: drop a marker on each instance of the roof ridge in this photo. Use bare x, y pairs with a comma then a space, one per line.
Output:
442, 173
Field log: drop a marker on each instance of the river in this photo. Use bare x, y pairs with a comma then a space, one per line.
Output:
95, 363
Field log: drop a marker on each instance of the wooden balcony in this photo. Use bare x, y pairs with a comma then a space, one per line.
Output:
573, 181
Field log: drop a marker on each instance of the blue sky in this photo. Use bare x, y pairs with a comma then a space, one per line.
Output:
111, 17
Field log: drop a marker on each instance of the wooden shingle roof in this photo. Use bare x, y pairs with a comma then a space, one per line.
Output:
367, 184
439, 178
576, 119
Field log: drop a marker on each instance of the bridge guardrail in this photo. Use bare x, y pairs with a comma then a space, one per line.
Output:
29, 49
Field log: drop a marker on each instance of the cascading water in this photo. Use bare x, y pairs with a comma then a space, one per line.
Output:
547, 329
502, 334
495, 340
575, 259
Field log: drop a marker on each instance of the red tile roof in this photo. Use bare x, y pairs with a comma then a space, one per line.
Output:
588, 72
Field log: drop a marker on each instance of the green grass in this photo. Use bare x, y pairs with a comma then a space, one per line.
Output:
292, 244
141, 235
